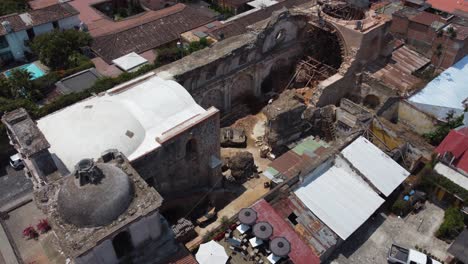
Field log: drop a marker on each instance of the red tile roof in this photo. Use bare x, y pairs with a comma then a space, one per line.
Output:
39, 17
426, 18
456, 142
449, 6
300, 253
150, 35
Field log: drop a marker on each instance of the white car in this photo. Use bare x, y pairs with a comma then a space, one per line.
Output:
16, 162
401, 255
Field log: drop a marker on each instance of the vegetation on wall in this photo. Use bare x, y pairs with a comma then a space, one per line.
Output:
173, 53
60, 49
430, 179
441, 130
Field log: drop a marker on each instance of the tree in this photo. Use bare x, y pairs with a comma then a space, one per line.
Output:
5, 88
442, 130
12, 6
20, 83
57, 49
452, 225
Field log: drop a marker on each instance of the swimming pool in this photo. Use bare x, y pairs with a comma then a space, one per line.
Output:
31, 67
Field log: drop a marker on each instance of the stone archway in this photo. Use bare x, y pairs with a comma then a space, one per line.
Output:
214, 97
242, 88
371, 101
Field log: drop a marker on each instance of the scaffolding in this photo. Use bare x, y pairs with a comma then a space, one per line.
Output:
313, 70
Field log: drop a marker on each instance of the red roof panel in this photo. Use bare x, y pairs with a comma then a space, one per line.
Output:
300, 253
456, 142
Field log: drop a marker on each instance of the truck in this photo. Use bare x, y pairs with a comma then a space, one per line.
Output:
401, 255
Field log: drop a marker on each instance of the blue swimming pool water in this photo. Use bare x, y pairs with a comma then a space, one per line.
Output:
32, 68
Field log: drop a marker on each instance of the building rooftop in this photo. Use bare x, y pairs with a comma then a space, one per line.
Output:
376, 166
37, 17
308, 226
149, 33
450, 6
130, 61
448, 89
295, 160
398, 72
459, 246
78, 82
300, 253
336, 193
456, 142
131, 117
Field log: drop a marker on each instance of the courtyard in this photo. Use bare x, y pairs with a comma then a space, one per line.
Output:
370, 244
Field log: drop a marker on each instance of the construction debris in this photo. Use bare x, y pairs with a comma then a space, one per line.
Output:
242, 165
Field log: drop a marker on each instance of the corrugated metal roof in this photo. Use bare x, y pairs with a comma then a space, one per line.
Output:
300, 253
381, 170
398, 73
448, 89
295, 160
337, 194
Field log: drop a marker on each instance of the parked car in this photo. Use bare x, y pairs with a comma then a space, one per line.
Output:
16, 162
401, 255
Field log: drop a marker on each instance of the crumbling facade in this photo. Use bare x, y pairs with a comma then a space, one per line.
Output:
254, 64
104, 212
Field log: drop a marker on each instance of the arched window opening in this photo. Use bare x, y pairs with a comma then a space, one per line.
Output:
191, 150
122, 244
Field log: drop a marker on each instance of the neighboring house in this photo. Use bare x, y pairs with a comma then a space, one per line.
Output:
358, 178
442, 37
453, 150
16, 30
431, 105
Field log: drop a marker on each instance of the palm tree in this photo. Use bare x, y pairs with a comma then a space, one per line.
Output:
21, 84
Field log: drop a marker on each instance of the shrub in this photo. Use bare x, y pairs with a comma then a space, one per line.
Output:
452, 225
400, 207
43, 226
30, 233
442, 130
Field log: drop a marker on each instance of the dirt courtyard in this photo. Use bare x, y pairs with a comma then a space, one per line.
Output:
370, 244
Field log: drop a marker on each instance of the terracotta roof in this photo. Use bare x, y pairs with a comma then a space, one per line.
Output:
38, 4
426, 18
300, 253
38, 17
456, 142
239, 26
449, 6
150, 35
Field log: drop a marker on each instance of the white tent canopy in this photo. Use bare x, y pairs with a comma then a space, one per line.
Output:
211, 253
